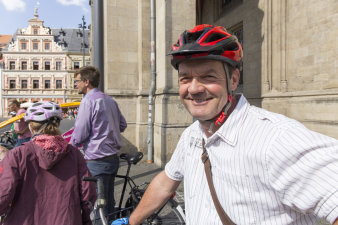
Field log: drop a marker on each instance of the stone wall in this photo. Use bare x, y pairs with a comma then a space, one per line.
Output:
172, 18
127, 70
290, 63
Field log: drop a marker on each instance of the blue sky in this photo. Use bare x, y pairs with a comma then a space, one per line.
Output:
55, 13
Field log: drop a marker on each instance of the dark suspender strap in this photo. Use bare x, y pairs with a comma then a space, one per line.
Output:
207, 168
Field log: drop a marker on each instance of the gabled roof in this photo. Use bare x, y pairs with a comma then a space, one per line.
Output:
71, 39
4, 40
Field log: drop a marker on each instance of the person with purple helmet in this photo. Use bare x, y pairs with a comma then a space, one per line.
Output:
41, 180
266, 168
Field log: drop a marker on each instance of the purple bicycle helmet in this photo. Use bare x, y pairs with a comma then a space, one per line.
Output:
42, 111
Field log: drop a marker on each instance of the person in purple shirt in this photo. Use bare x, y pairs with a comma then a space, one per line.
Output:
20, 126
98, 126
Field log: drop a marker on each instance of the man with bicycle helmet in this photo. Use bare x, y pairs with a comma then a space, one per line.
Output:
266, 168
41, 180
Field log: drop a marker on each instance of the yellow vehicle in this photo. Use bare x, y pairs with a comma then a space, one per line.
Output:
13, 119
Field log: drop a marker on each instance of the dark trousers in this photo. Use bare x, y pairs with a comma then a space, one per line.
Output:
107, 169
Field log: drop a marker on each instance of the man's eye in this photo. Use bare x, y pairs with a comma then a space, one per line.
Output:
209, 77
184, 79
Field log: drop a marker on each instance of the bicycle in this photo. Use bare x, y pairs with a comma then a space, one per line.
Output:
100, 201
170, 213
7, 140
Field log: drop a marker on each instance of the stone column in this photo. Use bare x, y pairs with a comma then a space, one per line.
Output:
172, 18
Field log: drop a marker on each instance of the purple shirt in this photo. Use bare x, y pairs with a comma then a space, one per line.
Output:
98, 125
20, 125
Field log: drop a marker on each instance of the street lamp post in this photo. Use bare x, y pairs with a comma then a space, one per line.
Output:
83, 46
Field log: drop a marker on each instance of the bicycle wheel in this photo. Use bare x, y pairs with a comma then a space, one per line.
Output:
171, 213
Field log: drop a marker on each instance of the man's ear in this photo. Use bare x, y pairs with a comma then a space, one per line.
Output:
86, 83
236, 75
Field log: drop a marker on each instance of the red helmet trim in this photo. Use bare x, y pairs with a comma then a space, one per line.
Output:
210, 32
199, 27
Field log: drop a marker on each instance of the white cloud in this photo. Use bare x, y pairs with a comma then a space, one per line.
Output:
80, 3
14, 5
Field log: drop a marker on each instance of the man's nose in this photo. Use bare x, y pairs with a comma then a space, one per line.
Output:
195, 87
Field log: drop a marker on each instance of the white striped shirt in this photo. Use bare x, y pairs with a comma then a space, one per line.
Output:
267, 169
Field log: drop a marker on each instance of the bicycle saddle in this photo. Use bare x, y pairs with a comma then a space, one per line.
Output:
132, 158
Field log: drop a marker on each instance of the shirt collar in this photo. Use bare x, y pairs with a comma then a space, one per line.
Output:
228, 132
91, 92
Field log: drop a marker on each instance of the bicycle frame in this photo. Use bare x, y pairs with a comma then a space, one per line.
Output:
127, 180
100, 201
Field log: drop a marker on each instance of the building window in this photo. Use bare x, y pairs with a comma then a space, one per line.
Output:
228, 4
47, 65
35, 31
12, 65
76, 65
47, 84
35, 65
58, 65
23, 65
47, 46
12, 84
87, 63
221, 7
35, 46
35, 84
58, 84
24, 84
23, 46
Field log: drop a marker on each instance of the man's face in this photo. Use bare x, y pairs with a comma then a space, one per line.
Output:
12, 107
203, 87
80, 85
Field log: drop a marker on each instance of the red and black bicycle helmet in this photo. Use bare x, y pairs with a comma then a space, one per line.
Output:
210, 42
207, 42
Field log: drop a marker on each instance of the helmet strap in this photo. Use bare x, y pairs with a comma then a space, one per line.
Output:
226, 110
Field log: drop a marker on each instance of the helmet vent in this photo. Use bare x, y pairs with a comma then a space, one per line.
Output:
36, 104
192, 37
48, 108
214, 37
231, 47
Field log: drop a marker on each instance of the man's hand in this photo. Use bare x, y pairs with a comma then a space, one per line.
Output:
120, 221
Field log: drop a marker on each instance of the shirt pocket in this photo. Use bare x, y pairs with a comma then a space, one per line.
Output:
193, 176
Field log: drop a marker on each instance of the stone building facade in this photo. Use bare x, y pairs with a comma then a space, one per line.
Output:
289, 66
4, 40
39, 64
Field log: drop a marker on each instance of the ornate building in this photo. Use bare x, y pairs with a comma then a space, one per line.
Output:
39, 63
4, 40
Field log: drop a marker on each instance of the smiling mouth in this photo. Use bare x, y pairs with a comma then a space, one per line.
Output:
199, 100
